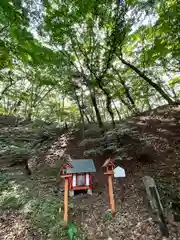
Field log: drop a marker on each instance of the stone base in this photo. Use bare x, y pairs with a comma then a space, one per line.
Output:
71, 193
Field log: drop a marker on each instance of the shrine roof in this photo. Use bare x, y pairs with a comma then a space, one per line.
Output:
108, 162
81, 166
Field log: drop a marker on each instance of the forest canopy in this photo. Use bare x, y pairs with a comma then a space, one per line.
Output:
88, 61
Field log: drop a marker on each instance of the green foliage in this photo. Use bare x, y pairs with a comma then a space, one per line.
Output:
4, 181
72, 231
43, 211
65, 65
92, 131
11, 195
15, 154
124, 143
174, 81
108, 216
94, 152
45, 214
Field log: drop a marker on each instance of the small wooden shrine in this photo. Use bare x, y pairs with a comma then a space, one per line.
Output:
79, 174
108, 166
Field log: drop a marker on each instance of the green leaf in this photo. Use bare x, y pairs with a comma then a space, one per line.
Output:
72, 230
174, 81
73, 58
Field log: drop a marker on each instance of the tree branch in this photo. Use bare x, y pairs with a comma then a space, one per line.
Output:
3, 28
148, 80
6, 89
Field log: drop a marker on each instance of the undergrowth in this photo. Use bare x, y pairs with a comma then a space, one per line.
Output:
43, 211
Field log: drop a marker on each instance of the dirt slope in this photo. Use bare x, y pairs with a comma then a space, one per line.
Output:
160, 160
152, 148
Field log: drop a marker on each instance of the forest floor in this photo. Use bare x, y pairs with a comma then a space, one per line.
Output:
30, 209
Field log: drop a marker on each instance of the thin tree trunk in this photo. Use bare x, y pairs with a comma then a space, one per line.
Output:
149, 105
91, 115
121, 99
5, 90
87, 117
128, 95
80, 109
81, 114
94, 102
127, 92
29, 116
84, 107
16, 105
125, 103
147, 99
148, 80
108, 102
104, 110
62, 110
118, 113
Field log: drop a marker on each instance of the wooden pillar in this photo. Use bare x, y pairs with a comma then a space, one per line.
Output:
109, 201
109, 172
66, 200
111, 194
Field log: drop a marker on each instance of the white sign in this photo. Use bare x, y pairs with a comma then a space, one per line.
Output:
119, 172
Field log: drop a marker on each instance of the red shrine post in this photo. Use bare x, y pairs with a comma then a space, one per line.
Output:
66, 177
109, 171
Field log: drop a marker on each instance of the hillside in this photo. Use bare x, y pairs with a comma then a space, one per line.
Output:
145, 144
89, 79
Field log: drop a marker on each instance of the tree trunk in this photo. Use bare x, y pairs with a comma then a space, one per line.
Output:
79, 106
148, 104
84, 107
121, 99
148, 80
81, 114
94, 102
86, 116
16, 105
128, 95
108, 102
29, 116
92, 119
62, 110
125, 103
127, 92
118, 113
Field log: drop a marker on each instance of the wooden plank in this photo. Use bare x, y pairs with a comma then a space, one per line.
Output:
66, 201
109, 173
80, 188
66, 176
111, 194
